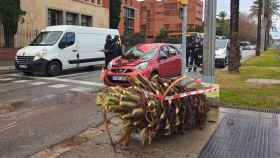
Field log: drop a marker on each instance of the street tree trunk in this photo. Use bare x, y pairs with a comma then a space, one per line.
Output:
9, 37
234, 53
259, 32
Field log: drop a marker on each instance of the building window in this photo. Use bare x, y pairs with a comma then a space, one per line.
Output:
129, 16
54, 17
86, 20
72, 19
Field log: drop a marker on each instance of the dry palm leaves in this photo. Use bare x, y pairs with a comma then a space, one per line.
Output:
143, 109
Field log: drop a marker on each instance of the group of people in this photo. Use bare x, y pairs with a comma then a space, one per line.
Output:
194, 52
112, 48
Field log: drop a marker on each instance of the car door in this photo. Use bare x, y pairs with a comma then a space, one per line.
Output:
165, 67
69, 50
175, 61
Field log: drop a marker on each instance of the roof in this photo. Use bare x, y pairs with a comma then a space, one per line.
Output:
75, 28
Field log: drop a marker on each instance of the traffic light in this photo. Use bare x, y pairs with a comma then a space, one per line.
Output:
183, 2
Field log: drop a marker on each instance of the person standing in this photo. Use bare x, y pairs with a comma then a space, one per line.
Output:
107, 50
117, 47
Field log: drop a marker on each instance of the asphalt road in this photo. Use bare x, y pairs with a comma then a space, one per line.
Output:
45, 110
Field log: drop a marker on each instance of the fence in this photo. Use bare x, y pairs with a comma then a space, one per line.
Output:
22, 38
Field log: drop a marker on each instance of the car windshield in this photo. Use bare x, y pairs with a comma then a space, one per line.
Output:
140, 52
47, 38
221, 44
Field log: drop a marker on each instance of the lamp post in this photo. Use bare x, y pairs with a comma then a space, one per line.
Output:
209, 41
184, 34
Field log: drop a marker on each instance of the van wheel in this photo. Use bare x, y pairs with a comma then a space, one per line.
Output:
54, 68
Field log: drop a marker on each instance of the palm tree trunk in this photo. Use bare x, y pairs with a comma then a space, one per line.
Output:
259, 32
234, 53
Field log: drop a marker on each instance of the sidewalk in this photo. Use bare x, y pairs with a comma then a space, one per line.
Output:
7, 67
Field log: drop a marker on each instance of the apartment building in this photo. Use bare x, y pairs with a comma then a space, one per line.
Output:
130, 16
158, 14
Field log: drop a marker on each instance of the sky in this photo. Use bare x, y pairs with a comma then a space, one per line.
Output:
224, 5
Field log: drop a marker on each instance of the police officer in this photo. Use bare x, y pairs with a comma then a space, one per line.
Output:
194, 54
107, 50
117, 47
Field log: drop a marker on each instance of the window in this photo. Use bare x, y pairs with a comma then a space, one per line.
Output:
54, 17
129, 15
86, 20
163, 52
47, 38
172, 51
67, 40
72, 19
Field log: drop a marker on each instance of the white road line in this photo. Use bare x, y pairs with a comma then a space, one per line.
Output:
88, 83
58, 86
6, 79
77, 74
80, 89
21, 81
8, 126
38, 83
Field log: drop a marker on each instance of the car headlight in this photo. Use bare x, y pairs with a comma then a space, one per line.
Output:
40, 55
110, 65
142, 66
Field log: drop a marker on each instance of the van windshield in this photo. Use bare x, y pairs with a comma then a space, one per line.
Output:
47, 38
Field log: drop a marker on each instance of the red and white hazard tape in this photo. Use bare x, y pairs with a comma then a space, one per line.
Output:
191, 93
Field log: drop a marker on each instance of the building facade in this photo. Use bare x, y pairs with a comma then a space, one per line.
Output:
130, 16
151, 15
156, 15
43, 13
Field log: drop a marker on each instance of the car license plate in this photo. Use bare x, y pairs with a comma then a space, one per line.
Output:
119, 78
23, 66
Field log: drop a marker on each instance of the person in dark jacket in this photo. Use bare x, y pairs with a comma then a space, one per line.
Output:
107, 50
194, 54
117, 47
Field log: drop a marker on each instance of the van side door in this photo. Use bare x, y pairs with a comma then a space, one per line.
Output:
91, 47
69, 51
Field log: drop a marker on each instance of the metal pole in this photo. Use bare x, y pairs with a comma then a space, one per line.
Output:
184, 38
209, 41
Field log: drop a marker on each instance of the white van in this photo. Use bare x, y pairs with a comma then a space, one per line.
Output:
58, 48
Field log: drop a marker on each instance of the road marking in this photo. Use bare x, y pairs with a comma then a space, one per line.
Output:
21, 81
76, 74
6, 79
58, 86
38, 83
88, 83
80, 89
8, 126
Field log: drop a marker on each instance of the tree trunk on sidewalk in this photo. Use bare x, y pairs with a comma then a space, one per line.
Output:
9, 37
234, 53
259, 32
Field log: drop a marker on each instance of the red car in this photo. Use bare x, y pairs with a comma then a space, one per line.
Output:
145, 59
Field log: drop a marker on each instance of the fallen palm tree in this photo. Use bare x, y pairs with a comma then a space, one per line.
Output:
159, 107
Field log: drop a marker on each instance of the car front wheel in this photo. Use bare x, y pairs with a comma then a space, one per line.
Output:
54, 68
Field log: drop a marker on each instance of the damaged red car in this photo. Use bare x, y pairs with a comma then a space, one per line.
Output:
145, 59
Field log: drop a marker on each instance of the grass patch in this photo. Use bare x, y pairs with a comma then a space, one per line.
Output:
235, 91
